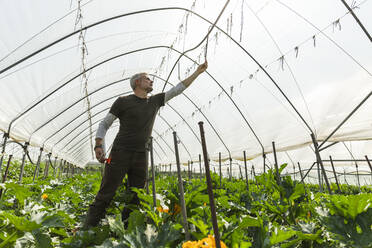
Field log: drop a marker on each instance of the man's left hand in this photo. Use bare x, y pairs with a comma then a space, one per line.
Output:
202, 67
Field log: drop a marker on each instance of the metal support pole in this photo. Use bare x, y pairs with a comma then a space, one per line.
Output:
153, 172
147, 171
23, 161
302, 177
264, 162
369, 164
278, 181
6, 173
191, 165
37, 164
319, 178
188, 170
46, 168
308, 171
357, 171
55, 167
246, 171
5, 137
254, 175
180, 188
209, 186
67, 169
200, 169
220, 167
357, 20
230, 168
240, 171
59, 168
320, 162
334, 173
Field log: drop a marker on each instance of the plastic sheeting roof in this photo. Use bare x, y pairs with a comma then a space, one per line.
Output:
314, 51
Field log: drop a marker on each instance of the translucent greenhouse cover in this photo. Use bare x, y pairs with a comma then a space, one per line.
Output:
278, 71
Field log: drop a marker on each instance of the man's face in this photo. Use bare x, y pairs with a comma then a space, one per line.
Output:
145, 83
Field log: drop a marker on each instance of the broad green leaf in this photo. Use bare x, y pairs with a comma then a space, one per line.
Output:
280, 235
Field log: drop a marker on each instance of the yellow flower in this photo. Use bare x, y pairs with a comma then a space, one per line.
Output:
205, 204
44, 196
162, 210
190, 244
208, 242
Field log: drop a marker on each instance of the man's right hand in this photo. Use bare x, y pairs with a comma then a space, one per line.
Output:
100, 155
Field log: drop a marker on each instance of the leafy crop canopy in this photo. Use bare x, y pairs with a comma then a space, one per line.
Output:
312, 51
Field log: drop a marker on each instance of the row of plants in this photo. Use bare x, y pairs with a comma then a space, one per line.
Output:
50, 213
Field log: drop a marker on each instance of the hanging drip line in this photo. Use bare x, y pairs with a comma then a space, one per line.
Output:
357, 20
84, 77
286, 63
201, 42
325, 35
206, 46
41, 31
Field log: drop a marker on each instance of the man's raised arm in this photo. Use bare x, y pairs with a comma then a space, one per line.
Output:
180, 87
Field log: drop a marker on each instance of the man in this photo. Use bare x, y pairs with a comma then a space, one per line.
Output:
136, 113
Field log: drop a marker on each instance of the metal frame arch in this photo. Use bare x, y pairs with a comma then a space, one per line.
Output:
95, 91
151, 10
196, 106
80, 114
76, 102
161, 117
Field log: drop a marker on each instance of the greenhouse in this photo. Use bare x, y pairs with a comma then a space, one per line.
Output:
270, 146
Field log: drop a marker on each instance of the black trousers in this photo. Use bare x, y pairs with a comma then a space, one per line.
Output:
122, 162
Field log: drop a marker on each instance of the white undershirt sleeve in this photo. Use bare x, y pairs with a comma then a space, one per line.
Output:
103, 126
174, 91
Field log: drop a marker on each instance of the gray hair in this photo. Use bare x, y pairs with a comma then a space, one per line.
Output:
134, 78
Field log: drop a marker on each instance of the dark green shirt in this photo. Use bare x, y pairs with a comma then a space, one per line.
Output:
137, 116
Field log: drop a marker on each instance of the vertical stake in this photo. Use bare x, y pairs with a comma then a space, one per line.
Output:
191, 166
357, 175
240, 171
23, 162
188, 170
55, 167
369, 164
230, 168
209, 185
5, 137
153, 173
278, 181
246, 172
302, 176
180, 188
334, 173
37, 164
220, 167
200, 169
46, 167
6, 173
320, 162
